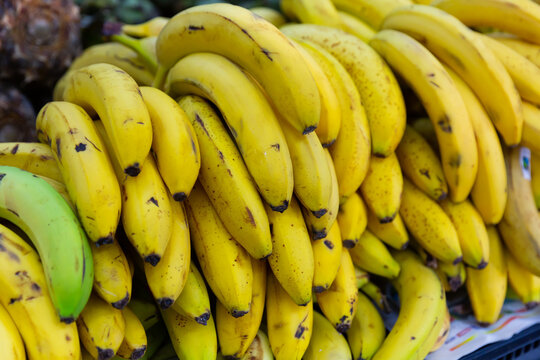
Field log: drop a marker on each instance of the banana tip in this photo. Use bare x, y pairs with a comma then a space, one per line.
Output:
203, 319
319, 289
281, 208
67, 319
482, 264
180, 196
164, 303
457, 260
138, 353
343, 327
152, 259
348, 243
238, 313
105, 240
309, 129
105, 354
133, 170
319, 213
120, 304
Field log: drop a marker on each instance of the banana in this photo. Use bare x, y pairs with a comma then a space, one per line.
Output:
81, 155
259, 348
429, 224
530, 51
36, 158
424, 126
156, 337
352, 219
101, 328
362, 277
535, 177
525, 284
236, 335
320, 12
269, 14
291, 260
26, 299
40, 212
193, 300
455, 44
111, 93
520, 17
393, 233
148, 28
10, 339
471, 231
289, 325
133, 346
146, 310
531, 127
443, 334
487, 287
174, 142
376, 295
372, 12
112, 277
371, 255
421, 164
377, 86
326, 342
190, 339
354, 26
489, 190
167, 279
421, 296
326, 259
249, 117
60, 188
520, 226
225, 178
452, 276
367, 330
319, 226
217, 252
338, 303
430, 81
382, 187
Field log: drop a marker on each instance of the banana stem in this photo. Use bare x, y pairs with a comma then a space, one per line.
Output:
135, 45
159, 79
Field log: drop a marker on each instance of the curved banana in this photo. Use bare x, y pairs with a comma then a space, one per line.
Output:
376, 84
429, 224
367, 330
320, 12
236, 335
26, 299
371, 255
326, 259
531, 126
326, 342
525, 284
393, 233
249, 116
352, 219
535, 177
269, 14
455, 44
422, 165
289, 325
354, 26
216, 251
111, 93
252, 43
81, 155
430, 81
338, 303
193, 300
134, 345
174, 142
36, 158
40, 212
291, 260
452, 276
487, 287
382, 187
101, 328
148, 28
167, 279
519, 17
422, 297
530, 51
372, 12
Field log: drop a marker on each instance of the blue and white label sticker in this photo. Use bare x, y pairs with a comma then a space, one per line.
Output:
525, 161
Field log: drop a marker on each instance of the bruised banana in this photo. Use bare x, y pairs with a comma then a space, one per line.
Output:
326, 342
36, 158
371, 255
193, 301
326, 258
352, 219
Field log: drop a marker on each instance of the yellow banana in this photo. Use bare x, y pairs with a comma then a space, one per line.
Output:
382, 187
174, 143
134, 344
326, 342
101, 328
372, 12
291, 260
320, 12
393, 233
371, 255
362, 277
529, 50
377, 86
148, 28
487, 287
489, 190
352, 219
525, 284
249, 116
289, 325
376, 295
259, 348
252, 43
271, 15
236, 335
225, 178
10, 339
81, 155
193, 301
354, 26
430, 81
326, 259
167, 279
452, 276
429, 224
443, 334
338, 303
111, 93
535, 177
36, 158
367, 330
217, 251
455, 44
531, 126
421, 164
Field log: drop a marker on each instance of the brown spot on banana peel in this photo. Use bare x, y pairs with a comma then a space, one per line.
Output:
201, 123
251, 219
120, 304
153, 201
301, 328
14, 300
195, 27
238, 313
15, 149
318, 234
80, 147
13, 212
68, 338
344, 324
275, 146
425, 172
11, 255
329, 244
58, 151
203, 319
455, 161
444, 124
94, 145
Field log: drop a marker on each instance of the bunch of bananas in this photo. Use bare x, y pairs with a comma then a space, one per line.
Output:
229, 184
